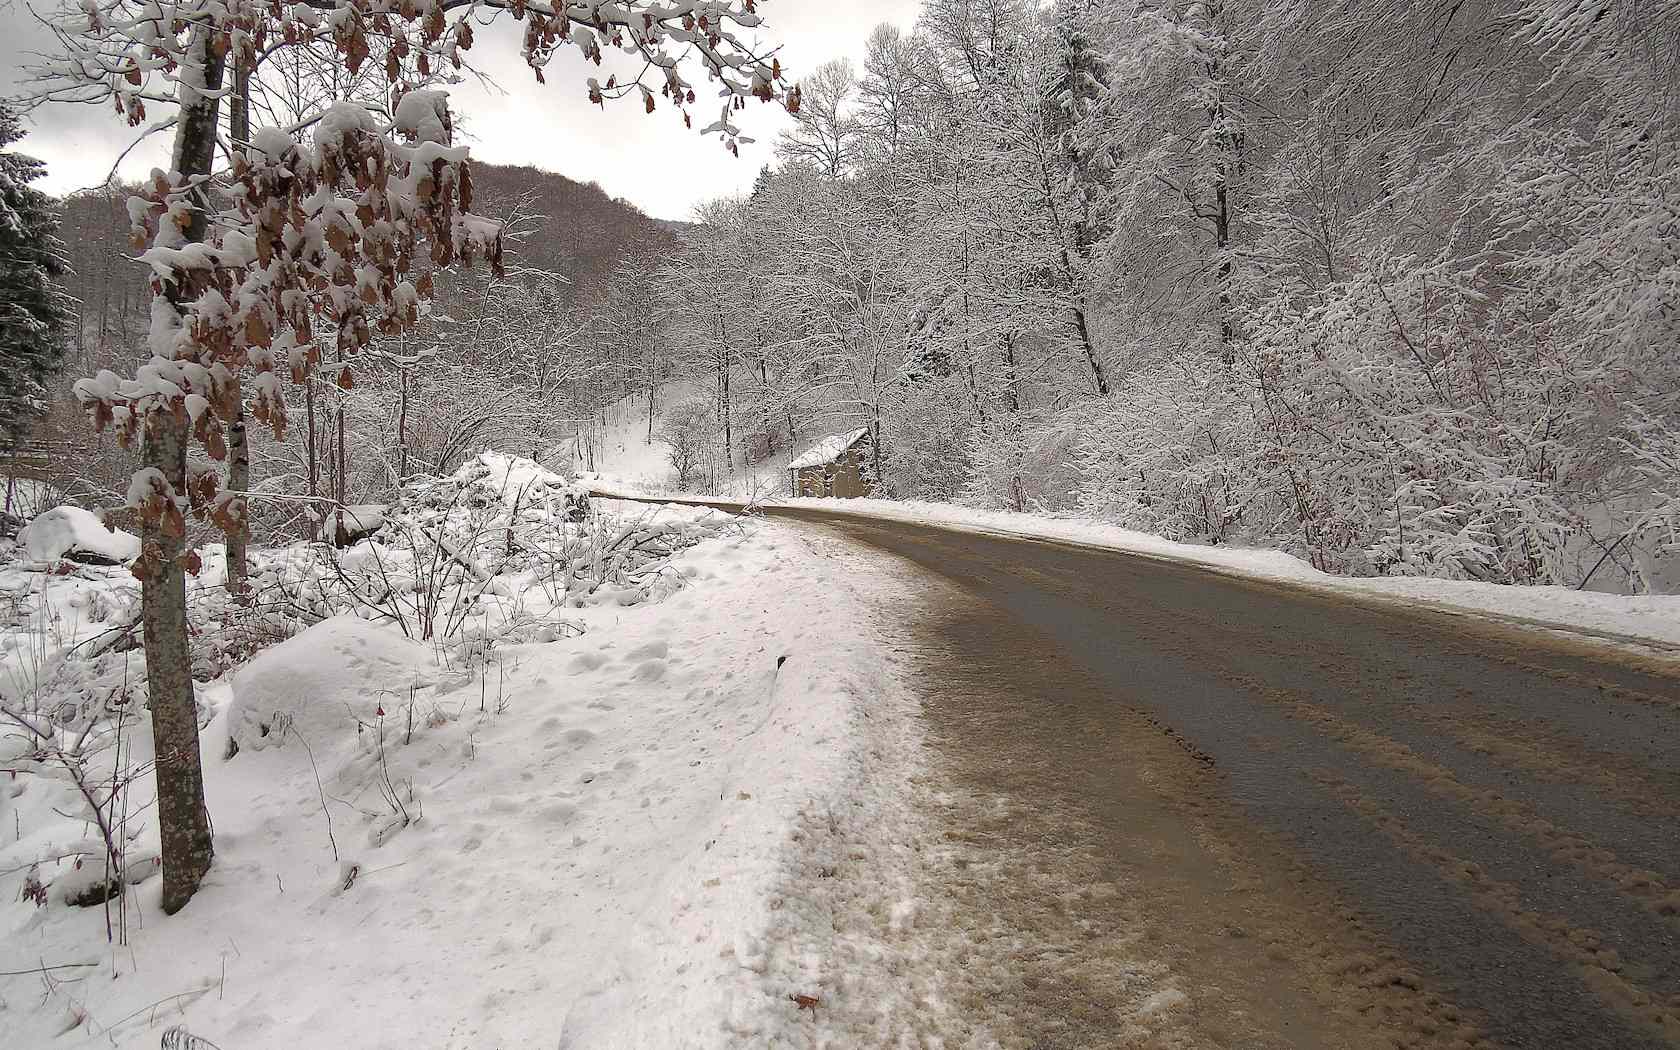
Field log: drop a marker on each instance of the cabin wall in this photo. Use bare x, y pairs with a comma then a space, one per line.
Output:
842, 478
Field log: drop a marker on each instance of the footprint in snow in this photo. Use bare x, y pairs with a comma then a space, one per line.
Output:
559, 812
658, 650
584, 662
649, 671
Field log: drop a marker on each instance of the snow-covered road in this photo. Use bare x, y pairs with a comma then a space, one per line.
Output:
858, 783
1185, 808
1176, 804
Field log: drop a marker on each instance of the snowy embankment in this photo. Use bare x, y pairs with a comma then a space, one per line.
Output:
1651, 621
630, 455
592, 815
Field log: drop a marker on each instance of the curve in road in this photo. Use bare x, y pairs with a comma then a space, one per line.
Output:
1346, 824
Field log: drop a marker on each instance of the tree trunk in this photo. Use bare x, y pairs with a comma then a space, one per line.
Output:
728, 422
402, 432
1011, 376
239, 480
339, 459
310, 453
183, 821
239, 450
1099, 375
1222, 235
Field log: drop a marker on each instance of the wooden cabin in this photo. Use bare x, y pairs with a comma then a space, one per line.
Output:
833, 466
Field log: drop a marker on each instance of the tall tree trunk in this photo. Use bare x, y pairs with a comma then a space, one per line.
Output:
1070, 282
1099, 375
340, 487
183, 820
1011, 376
309, 452
875, 449
723, 392
402, 432
239, 449
1222, 235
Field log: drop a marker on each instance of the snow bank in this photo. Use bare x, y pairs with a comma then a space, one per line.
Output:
587, 836
1639, 619
1643, 621
323, 682
77, 534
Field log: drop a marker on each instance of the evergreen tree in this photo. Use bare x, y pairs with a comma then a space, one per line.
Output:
34, 310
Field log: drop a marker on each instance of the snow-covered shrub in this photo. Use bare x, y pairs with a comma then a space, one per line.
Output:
323, 682
690, 428
459, 552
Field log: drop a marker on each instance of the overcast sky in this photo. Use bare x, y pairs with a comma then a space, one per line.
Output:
650, 160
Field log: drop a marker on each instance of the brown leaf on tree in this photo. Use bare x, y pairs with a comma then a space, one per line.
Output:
145, 566
344, 380
256, 330
190, 563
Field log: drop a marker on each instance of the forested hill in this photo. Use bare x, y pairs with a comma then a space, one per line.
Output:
574, 229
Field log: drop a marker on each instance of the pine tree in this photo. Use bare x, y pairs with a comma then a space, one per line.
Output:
34, 309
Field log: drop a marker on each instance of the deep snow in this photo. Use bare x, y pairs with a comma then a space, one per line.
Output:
72, 531
584, 842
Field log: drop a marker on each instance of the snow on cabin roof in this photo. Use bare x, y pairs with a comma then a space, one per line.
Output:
827, 450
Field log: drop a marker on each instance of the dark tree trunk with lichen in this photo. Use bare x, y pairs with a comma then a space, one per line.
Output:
183, 820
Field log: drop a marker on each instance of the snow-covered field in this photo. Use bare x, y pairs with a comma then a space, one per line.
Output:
597, 814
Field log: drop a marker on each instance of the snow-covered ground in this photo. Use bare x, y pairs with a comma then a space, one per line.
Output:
600, 818
630, 465
626, 457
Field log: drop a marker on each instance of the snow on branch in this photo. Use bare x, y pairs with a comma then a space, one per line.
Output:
305, 247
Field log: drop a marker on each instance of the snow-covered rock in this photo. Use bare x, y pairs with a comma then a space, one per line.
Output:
77, 534
321, 682
352, 524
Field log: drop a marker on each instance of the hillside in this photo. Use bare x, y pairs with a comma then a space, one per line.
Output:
627, 455
575, 229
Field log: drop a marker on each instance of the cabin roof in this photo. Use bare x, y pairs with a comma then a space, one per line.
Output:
827, 450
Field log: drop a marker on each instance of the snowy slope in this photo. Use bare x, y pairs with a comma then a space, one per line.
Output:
622, 448
625, 460
577, 842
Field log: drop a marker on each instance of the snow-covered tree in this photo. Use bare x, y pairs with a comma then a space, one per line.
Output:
824, 133
301, 251
34, 309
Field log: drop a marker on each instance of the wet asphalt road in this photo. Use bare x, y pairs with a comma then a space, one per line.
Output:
1494, 813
